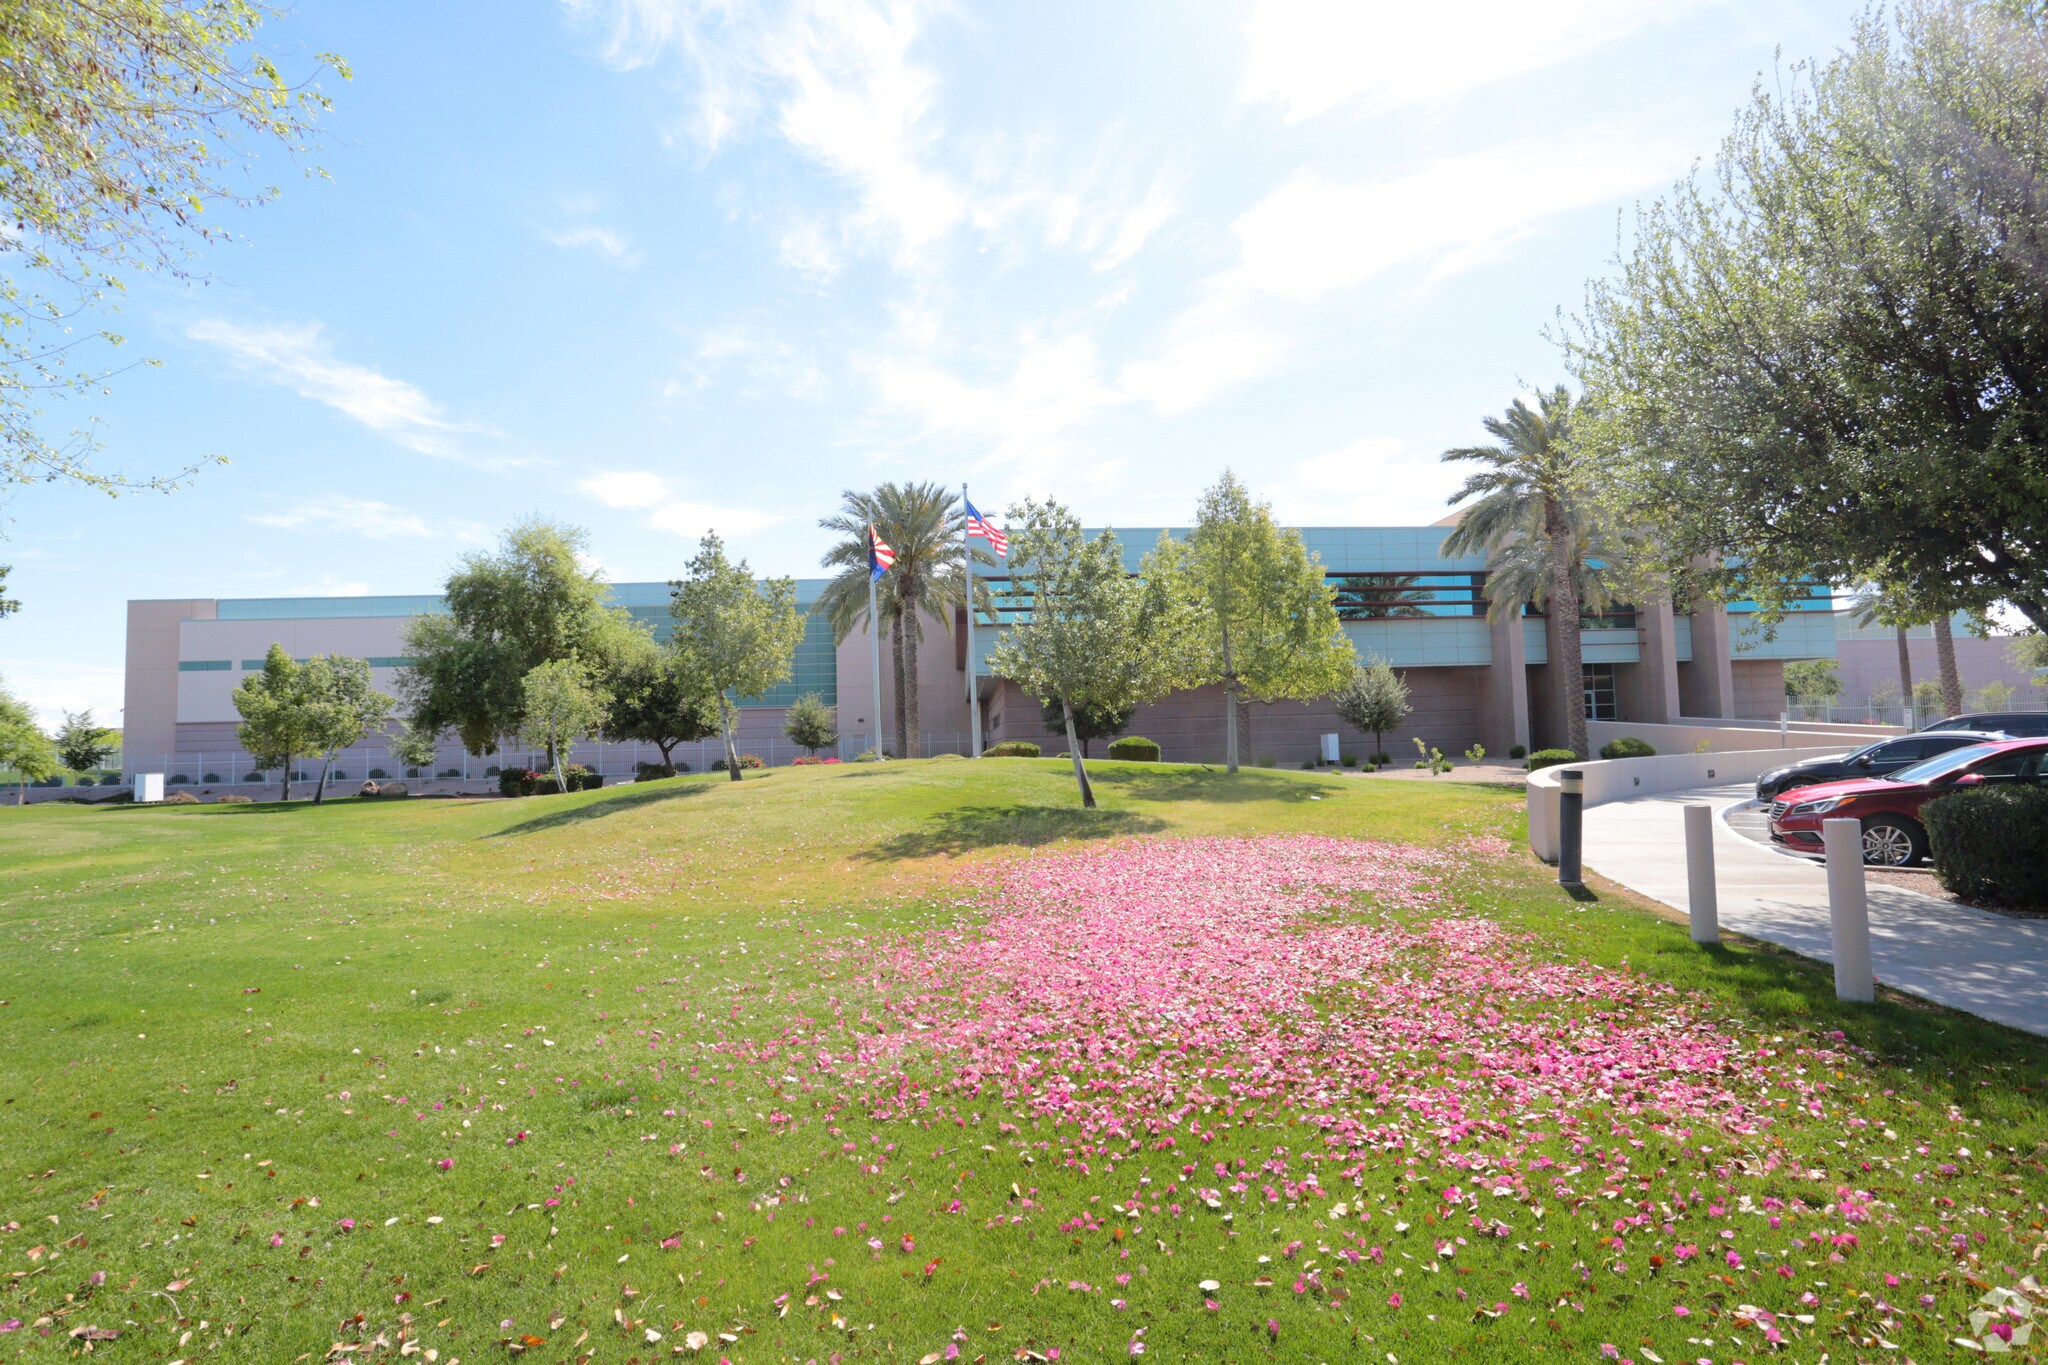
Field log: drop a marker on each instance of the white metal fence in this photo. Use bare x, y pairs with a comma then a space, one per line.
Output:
1911, 717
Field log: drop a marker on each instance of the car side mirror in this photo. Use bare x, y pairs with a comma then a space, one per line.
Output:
1863, 760
1967, 780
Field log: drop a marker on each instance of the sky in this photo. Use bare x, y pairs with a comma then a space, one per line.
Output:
658, 267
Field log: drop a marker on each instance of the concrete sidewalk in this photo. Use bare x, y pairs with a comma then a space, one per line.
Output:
1966, 958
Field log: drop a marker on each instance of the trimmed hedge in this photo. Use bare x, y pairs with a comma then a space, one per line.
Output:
1135, 749
1011, 748
1519, 751
1550, 758
1628, 746
1991, 844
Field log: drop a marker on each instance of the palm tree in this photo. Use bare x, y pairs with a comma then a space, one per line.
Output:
924, 524
1528, 490
1380, 596
1873, 606
1878, 604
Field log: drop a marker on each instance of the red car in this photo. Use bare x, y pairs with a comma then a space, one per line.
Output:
1889, 806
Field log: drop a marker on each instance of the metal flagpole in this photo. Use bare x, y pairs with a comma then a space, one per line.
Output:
874, 649
973, 692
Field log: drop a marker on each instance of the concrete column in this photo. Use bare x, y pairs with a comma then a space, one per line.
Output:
1713, 664
1506, 719
1657, 693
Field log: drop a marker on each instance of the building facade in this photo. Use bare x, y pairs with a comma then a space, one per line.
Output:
1400, 597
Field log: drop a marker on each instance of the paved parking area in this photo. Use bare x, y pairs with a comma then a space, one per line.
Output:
1954, 954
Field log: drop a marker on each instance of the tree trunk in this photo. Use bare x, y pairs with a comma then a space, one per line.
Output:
1945, 656
729, 722
287, 778
912, 742
668, 758
1074, 752
320, 792
1229, 706
1567, 666
896, 664
1906, 675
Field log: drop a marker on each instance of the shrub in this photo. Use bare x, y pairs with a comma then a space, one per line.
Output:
1011, 748
233, 800
1519, 751
1349, 760
515, 782
177, 778
210, 777
1628, 746
451, 772
580, 777
1987, 844
948, 758
1135, 749
1550, 758
181, 799
378, 774
1381, 759
809, 761
491, 771
867, 756
747, 762
337, 776
650, 772
252, 777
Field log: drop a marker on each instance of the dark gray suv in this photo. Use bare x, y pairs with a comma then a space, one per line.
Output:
2018, 724
1872, 760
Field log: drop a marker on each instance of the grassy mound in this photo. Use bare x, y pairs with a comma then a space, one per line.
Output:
847, 1059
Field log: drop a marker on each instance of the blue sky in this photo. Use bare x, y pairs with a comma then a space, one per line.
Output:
659, 266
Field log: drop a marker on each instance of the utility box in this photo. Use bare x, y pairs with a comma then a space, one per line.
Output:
149, 786
1330, 754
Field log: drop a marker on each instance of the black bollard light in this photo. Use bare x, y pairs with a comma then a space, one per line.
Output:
1571, 811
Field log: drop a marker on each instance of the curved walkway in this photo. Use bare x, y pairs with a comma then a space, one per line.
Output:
1966, 958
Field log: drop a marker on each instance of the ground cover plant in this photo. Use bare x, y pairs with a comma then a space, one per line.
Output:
918, 1061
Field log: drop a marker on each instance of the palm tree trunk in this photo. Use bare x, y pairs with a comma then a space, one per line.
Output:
1905, 674
1074, 752
1567, 665
896, 668
1945, 657
913, 736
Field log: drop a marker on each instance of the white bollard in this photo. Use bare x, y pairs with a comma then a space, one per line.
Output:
1848, 909
1700, 904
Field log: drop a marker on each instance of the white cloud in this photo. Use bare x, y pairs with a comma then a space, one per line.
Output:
355, 516
1373, 481
1314, 235
1218, 343
298, 357
644, 491
603, 240
1312, 56
51, 687
1025, 418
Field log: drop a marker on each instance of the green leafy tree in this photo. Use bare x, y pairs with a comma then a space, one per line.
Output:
83, 744
1823, 357
1085, 643
923, 523
125, 122
507, 613
1528, 508
24, 747
2031, 651
8, 605
563, 704
1873, 605
1812, 682
1374, 701
811, 724
1090, 723
735, 634
277, 724
659, 699
340, 706
1257, 616
417, 748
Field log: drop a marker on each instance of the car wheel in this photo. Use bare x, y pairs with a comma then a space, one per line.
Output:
1892, 842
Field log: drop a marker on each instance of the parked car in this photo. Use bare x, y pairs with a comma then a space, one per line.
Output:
1872, 760
1889, 807
2018, 724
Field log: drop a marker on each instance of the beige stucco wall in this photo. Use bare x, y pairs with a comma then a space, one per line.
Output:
941, 696
209, 696
149, 708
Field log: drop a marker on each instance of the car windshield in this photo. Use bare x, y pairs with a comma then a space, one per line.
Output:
1944, 763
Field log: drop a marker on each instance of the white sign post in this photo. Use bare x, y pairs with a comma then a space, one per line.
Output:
1700, 903
1848, 909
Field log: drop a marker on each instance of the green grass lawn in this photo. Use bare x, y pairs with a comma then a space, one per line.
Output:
468, 1079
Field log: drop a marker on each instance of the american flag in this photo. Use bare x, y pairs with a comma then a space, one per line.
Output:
979, 525
880, 556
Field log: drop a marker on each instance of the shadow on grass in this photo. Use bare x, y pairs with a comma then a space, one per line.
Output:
1201, 784
979, 827
1984, 1067
624, 799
